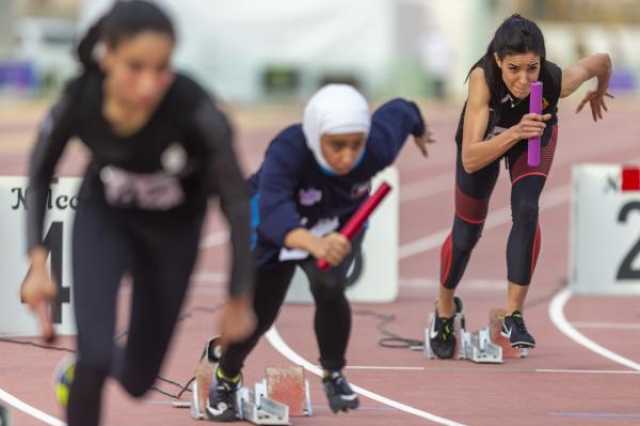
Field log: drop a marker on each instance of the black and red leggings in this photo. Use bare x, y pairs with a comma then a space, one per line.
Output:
473, 192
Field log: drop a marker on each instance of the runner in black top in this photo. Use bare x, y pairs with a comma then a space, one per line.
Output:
159, 149
493, 124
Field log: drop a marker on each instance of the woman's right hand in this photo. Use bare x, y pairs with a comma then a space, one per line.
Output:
530, 126
38, 291
333, 248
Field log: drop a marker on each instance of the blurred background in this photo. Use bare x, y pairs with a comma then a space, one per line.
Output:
278, 51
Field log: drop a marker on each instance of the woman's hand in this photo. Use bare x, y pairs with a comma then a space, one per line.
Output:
422, 141
38, 291
595, 98
333, 248
530, 126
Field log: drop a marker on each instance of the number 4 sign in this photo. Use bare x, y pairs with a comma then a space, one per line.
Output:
15, 318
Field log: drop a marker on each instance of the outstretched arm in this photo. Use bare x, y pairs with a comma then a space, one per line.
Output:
597, 65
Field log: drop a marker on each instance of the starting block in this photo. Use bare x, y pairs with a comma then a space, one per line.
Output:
4, 416
282, 394
486, 346
496, 316
203, 377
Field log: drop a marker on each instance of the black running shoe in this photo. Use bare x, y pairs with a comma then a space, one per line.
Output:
514, 329
340, 395
442, 336
223, 403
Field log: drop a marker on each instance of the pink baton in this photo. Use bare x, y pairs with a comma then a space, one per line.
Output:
535, 106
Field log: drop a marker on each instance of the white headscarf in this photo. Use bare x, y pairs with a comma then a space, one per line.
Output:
334, 109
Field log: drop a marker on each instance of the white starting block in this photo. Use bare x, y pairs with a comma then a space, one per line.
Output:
477, 347
486, 346
284, 393
254, 406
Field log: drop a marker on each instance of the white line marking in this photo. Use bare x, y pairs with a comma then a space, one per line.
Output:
209, 277
569, 371
382, 367
607, 325
281, 346
471, 284
556, 313
553, 198
537, 370
31, 411
426, 188
214, 239
446, 182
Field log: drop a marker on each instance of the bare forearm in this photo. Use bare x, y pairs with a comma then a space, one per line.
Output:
300, 238
477, 155
597, 65
603, 71
38, 256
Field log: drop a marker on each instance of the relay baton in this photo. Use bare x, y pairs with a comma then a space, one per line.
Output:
535, 106
355, 223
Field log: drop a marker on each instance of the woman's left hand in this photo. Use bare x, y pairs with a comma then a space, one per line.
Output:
596, 101
422, 141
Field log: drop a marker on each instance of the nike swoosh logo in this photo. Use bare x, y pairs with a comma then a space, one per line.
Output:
433, 333
507, 333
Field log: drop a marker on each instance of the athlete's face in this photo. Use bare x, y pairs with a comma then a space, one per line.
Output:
342, 150
519, 71
139, 69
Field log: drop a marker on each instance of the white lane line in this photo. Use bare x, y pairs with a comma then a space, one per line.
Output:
570, 371
209, 277
27, 409
502, 370
382, 367
552, 198
427, 187
214, 239
479, 284
607, 325
556, 313
537, 370
445, 182
281, 346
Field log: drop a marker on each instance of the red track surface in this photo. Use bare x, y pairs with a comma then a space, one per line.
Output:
590, 389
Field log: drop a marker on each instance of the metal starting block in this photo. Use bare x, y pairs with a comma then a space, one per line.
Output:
254, 406
496, 316
284, 393
478, 347
486, 346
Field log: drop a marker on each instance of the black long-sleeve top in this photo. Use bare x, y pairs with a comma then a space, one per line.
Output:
164, 172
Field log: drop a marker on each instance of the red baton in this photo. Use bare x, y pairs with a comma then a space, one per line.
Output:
355, 223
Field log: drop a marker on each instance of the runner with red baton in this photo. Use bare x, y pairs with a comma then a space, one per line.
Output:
357, 221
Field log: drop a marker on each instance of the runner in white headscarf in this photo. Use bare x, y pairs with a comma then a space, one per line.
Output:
314, 176
334, 109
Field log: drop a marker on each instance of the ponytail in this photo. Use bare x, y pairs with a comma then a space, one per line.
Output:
515, 35
87, 45
126, 19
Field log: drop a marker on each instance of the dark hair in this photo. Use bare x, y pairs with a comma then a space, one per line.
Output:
125, 20
515, 35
